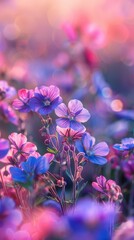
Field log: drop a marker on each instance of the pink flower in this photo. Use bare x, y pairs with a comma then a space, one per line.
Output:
69, 134
20, 146
109, 188
22, 104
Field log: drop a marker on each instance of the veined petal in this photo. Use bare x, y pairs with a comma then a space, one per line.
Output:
97, 159
53, 92
88, 141
83, 116
63, 122
35, 104
42, 165
44, 110
101, 180
30, 165
29, 147
79, 146
75, 106
18, 175
101, 149
76, 125
20, 106
61, 110
17, 139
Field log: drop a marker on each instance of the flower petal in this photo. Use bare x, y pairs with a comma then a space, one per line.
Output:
61, 110
101, 149
75, 106
97, 160
79, 146
17, 139
97, 187
4, 147
63, 122
42, 165
76, 125
83, 116
119, 147
30, 165
18, 175
29, 147
53, 92
88, 141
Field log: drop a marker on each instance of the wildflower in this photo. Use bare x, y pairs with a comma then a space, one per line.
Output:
126, 144
20, 146
108, 188
72, 116
94, 153
45, 99
22, 104
6, 91
29, 170
7, 113
69, 134
4, 147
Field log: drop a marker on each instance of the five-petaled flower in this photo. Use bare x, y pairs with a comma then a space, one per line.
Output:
126, 144
30, 170
94, 153
72, 116
20, 146
45, 99
108, 188
22, 104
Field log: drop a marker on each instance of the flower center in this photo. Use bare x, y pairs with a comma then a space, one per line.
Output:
47, 103
89, 152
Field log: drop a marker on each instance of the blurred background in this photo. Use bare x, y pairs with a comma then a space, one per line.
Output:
86, 48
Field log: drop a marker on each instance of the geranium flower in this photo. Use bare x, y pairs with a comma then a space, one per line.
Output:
108, 188
70, 134
4, 147
29, 169
45, 99
72, 116
126, 144
94, 153
22, 104
20, 146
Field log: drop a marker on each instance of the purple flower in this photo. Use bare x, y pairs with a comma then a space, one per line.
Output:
22, 104
45, 99
30, 170
9, 216
72, 116
7, 113
126, 144
94, 153
6, 91
4, 147
128, 168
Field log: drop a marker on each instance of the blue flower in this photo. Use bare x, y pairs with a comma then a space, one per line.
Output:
29, 170
45, 99
94, 153
126, 144
4, 147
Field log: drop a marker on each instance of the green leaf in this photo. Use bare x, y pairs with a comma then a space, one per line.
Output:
52, 150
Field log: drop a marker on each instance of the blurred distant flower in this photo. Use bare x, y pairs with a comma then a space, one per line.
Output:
69, 134
6, 91
9, 216
4, 147
108, 188
128, 168
94, 153
125, 231
7, 113
29, 170
90, 220
45, 99
126, 144
20, 146
22, 104
72, 116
